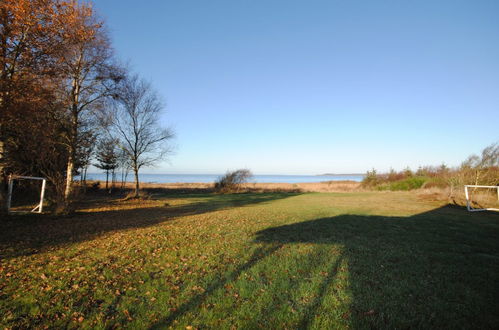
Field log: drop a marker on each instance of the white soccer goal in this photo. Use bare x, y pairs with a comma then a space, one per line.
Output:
469, 202
12, 178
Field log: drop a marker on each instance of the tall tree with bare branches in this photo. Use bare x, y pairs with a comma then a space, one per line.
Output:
136, 123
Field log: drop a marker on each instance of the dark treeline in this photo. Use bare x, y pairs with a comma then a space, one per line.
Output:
66, 102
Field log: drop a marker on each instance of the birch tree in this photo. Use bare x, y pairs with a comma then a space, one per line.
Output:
89, 77
136, 122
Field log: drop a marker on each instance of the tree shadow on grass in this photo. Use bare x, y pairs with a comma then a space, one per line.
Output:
195, 302
437, 269
22, 235
260, 255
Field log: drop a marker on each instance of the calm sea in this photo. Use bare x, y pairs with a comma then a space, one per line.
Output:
208, 178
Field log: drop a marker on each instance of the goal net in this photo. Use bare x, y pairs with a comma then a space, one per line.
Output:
481, 198
25, 194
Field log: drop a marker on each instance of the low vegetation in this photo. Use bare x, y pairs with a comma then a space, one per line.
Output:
475, 170
274, 260
233, 180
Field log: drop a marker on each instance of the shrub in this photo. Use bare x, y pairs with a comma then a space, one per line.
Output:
371, 179
232, 180
436, 182
143, 195
407, 172
409, 183
95, 186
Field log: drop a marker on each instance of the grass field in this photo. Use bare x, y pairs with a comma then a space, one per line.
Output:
277, 260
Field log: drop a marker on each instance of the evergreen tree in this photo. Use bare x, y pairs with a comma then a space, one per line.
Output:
107, 157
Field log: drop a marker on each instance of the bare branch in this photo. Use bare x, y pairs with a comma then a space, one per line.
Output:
135, 123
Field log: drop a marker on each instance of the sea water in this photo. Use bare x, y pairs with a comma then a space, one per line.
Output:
209, 178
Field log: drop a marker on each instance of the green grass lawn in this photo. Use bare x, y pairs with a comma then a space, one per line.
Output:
316, 260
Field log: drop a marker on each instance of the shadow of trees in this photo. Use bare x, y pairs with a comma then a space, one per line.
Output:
195, 302
437, 269
434, 269
32, 233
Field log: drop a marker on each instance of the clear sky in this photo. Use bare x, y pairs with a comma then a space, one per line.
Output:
309, 87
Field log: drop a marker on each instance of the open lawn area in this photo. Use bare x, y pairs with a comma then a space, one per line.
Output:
275, 260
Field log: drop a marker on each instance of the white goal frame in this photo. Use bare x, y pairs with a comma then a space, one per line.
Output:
39, 207
468, 202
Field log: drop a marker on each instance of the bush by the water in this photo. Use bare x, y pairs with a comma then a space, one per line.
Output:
232, 180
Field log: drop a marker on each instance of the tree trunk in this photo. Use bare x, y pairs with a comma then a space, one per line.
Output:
72, 142
3, 184
107, 178
69, 180
113, 179
136, 171
3, 195
125, 178
85, 179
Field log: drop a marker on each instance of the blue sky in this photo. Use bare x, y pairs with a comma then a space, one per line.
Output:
309, 87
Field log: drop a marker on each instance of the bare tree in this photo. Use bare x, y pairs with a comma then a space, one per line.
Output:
85, 153
136, 123
484, 168
124, 166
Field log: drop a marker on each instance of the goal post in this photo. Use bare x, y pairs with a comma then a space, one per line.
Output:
469, 202
39, 207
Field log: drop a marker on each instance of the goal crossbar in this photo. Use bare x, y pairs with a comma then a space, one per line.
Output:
38, 208
468, 202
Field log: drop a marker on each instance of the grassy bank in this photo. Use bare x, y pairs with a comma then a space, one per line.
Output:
324, 186
279, 260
